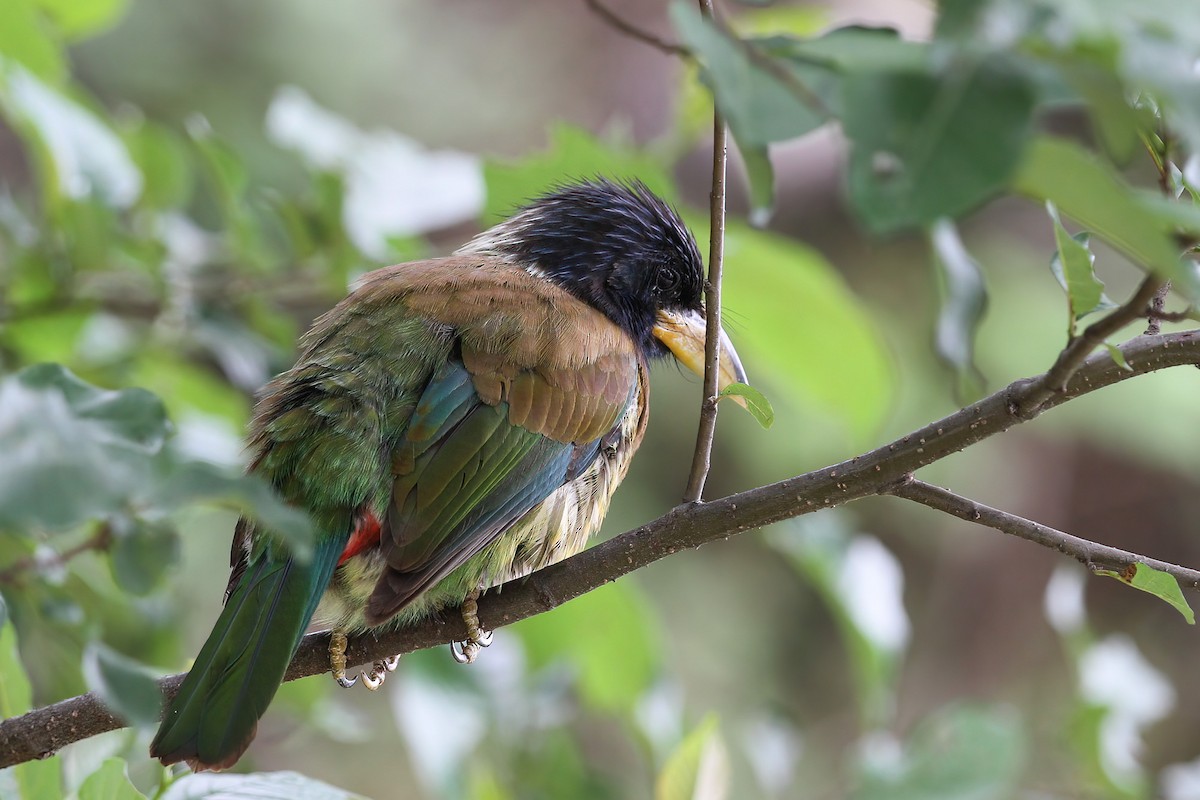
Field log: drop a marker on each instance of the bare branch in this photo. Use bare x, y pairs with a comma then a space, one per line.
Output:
632, 31
42, 732
1091, 554
702, 458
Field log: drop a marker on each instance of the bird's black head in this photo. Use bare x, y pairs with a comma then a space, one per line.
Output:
616, 246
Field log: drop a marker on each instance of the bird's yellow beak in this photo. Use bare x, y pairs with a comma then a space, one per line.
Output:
683, 333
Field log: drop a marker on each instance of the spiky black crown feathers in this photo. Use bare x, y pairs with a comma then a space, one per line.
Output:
615, 245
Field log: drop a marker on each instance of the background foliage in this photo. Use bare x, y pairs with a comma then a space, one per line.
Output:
184, 186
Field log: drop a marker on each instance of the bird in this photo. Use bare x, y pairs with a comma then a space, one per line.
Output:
451, 424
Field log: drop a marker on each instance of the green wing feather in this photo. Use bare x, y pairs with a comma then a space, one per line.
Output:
212, 718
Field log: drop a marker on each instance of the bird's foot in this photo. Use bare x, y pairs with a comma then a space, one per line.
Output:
467, 651
337, 662
337, 659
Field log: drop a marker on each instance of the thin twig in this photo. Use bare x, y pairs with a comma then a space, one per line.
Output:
1183, 315
42, 732
702, 458
1081, 347
1091, 554
629, 29
102, 539
1157, 305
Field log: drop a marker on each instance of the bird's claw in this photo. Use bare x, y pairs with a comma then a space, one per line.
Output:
373, 679
466, 651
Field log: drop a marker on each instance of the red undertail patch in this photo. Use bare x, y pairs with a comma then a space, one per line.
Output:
364, 537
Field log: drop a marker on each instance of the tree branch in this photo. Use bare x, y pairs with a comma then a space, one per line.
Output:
42, 732
1091, 554
1092, 337
702, 458
632, 31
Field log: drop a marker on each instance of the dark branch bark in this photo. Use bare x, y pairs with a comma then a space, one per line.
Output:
1092, 555
885, 470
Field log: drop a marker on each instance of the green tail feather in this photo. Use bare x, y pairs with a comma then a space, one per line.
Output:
212, 719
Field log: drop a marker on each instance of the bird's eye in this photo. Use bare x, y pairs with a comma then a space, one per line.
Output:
667, 280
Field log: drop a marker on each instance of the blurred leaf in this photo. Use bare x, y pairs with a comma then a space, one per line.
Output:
1156, 582
776, 20
927, 145
957, 753
964, 302
74, 452
1074, 267
16, 696
761, 176
46, 337
1117, 356
110, 782
78, 19
759, 107
83, 156
607, 635
126, 687
35, 780
862, 584
255, 786
25, 40
1117, 122
699, 767
197, 481
164, 161
1082, 187
572, 154
753, 401
184, 385
142, 553
782, 300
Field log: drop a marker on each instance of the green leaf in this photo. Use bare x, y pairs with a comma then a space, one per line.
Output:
753, 401
142, 553
198, 481
572, 154
164, 160
1074, 267
761, 176
1083, 188
759, 107
699, 767
128, 688
60, 432
1117, 356
957, 753
767, 279
35, 779
619, 657
1155, 582
77, 19
24, 40
927, 145
256, 786
16, 695
110, 782
964, 302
